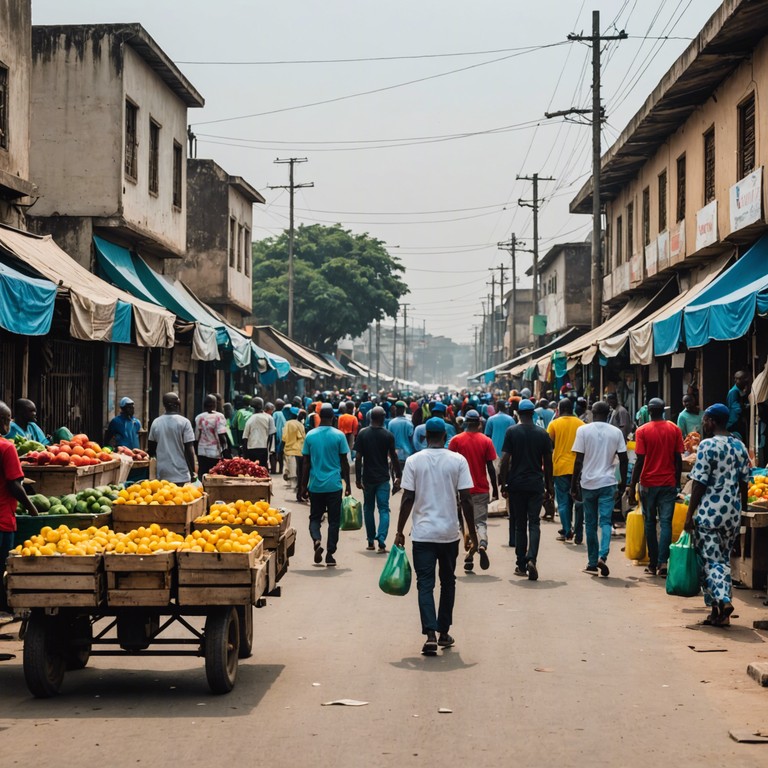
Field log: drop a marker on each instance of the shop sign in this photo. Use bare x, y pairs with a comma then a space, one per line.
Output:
652, 258
706, 225
636, 270
747, 200
663, 246
677, 243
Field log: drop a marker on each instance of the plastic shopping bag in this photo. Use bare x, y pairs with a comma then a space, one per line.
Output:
351, 514
396, 577
683, 571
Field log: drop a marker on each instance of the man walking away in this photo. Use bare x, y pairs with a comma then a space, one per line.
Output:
293, 437
543, 414
374, 449
690, 417
258, 434
526, 471
243, 413
278, 416
211, 436
562, 432
659, 448
619, 415
172, 441
594, 480
349, 423
496, 428
402, 429
325, 464
480, 454
431, 480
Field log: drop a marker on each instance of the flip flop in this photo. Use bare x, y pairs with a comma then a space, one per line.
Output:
429, 648
724, 619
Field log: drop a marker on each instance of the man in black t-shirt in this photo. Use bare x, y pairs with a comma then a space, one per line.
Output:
526, 473
375, 448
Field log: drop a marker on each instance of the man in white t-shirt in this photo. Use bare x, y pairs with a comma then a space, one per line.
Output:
594, 481
431, 480
259, 434
172, 442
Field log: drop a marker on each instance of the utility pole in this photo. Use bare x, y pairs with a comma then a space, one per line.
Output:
598, 116
378, 352
475, 366
405, 338
499, 331
394, 349
291, 187
492, 321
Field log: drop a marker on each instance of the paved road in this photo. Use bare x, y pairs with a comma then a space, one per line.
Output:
571, 670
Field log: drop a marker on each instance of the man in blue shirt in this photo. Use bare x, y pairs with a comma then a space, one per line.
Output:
738, 405
436, 408
24, 422
125, 427
543, 413
402, 429
496, 427
325, 453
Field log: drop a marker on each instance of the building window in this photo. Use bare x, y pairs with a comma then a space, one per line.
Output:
131, 140
747, 136
681, 188
607, 247
4, 107
619, 237
630, 231
232, 240
248, 255
709, 165
177, 161
647, 216
154, 157
662, 201
240, 246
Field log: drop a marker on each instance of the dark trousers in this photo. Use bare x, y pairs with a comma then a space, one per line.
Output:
319, 505
427, 556
299, 473
258, 454
205, 464
525, 509
7, 540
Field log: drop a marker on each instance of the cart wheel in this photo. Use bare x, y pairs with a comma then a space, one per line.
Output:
222, 645
44, 662
79, 637
245, 617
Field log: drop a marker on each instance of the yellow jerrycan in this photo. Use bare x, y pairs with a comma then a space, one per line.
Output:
678, 520
634, 547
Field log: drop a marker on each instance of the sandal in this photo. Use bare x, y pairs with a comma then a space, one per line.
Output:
651, 570
724, 619
430, 647
662, 570
318, 552
713, 618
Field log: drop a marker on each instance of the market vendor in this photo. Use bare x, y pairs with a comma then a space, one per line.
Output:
738, 405
25, 423
11, 492
125, 427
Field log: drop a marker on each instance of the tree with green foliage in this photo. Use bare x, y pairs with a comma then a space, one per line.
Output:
342, 283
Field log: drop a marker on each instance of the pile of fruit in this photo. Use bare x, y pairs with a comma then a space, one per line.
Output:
24, 445
158, 493
134, 453
691, 442
77, 452
239, 468
143, 541
758, 490
241, 513
91, 501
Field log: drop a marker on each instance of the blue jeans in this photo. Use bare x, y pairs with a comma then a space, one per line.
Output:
320, 504
7, 539
376, 496
427, 555
525, 509
659, 500
565, 507
598, 511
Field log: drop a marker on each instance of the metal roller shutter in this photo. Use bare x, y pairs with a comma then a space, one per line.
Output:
130, 380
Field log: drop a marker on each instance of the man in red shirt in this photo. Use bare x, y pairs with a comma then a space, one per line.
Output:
480, 454
659, 449
11, 491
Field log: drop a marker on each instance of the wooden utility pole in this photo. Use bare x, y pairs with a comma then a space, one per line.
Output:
291, 187
405, 338
492, 317
378, 352
499, 331
394, 348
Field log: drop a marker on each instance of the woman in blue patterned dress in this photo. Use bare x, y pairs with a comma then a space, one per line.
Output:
720, 478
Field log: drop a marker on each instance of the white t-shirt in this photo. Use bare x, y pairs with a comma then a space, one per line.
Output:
208, 427
258, 429
599, 442
436, 475
172, 432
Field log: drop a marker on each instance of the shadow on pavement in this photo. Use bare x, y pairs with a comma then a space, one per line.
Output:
614, 581
445, 661
540, 584
320, 571
739, 634
477, 578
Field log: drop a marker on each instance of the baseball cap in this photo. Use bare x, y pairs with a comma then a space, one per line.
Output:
472, 415
126, 401
718, 409
526, 405
438, 407
294, 410
435, 425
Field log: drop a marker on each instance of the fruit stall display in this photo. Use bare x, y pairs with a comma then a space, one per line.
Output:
271, 523
233, 479
158, 501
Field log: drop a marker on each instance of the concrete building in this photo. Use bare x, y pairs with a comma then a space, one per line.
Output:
108, 138
217, 265
17, 192
518, 309
564, 292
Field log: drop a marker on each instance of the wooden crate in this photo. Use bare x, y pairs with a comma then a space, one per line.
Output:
139, 580
270, 563
749, 561
211, 585
176, 518
55, 581
59, 481
229, 489
28, 526
285, 548
269, 533
220, 561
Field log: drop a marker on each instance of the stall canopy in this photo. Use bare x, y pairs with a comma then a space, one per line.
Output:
305, 362
341, 370
26, 303
725, 310
518, 365
99, 311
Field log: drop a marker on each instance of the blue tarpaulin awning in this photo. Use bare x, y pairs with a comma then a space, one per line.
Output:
26, 303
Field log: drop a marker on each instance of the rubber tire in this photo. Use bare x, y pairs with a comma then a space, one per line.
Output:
222, 647
245, 617
79, 627
44, 662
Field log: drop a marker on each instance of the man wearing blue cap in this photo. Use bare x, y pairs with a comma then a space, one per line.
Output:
125, 427
526, 471
431, 480
437, 409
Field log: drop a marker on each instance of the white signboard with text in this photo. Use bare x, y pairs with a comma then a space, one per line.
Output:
706, 225
747, 200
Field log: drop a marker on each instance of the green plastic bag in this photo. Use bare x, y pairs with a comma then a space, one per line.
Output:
395, 579
351, 514
683, 572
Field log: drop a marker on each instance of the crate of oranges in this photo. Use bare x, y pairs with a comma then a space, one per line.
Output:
268, 521
168, 505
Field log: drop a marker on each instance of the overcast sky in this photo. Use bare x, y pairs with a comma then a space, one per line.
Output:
388, 163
